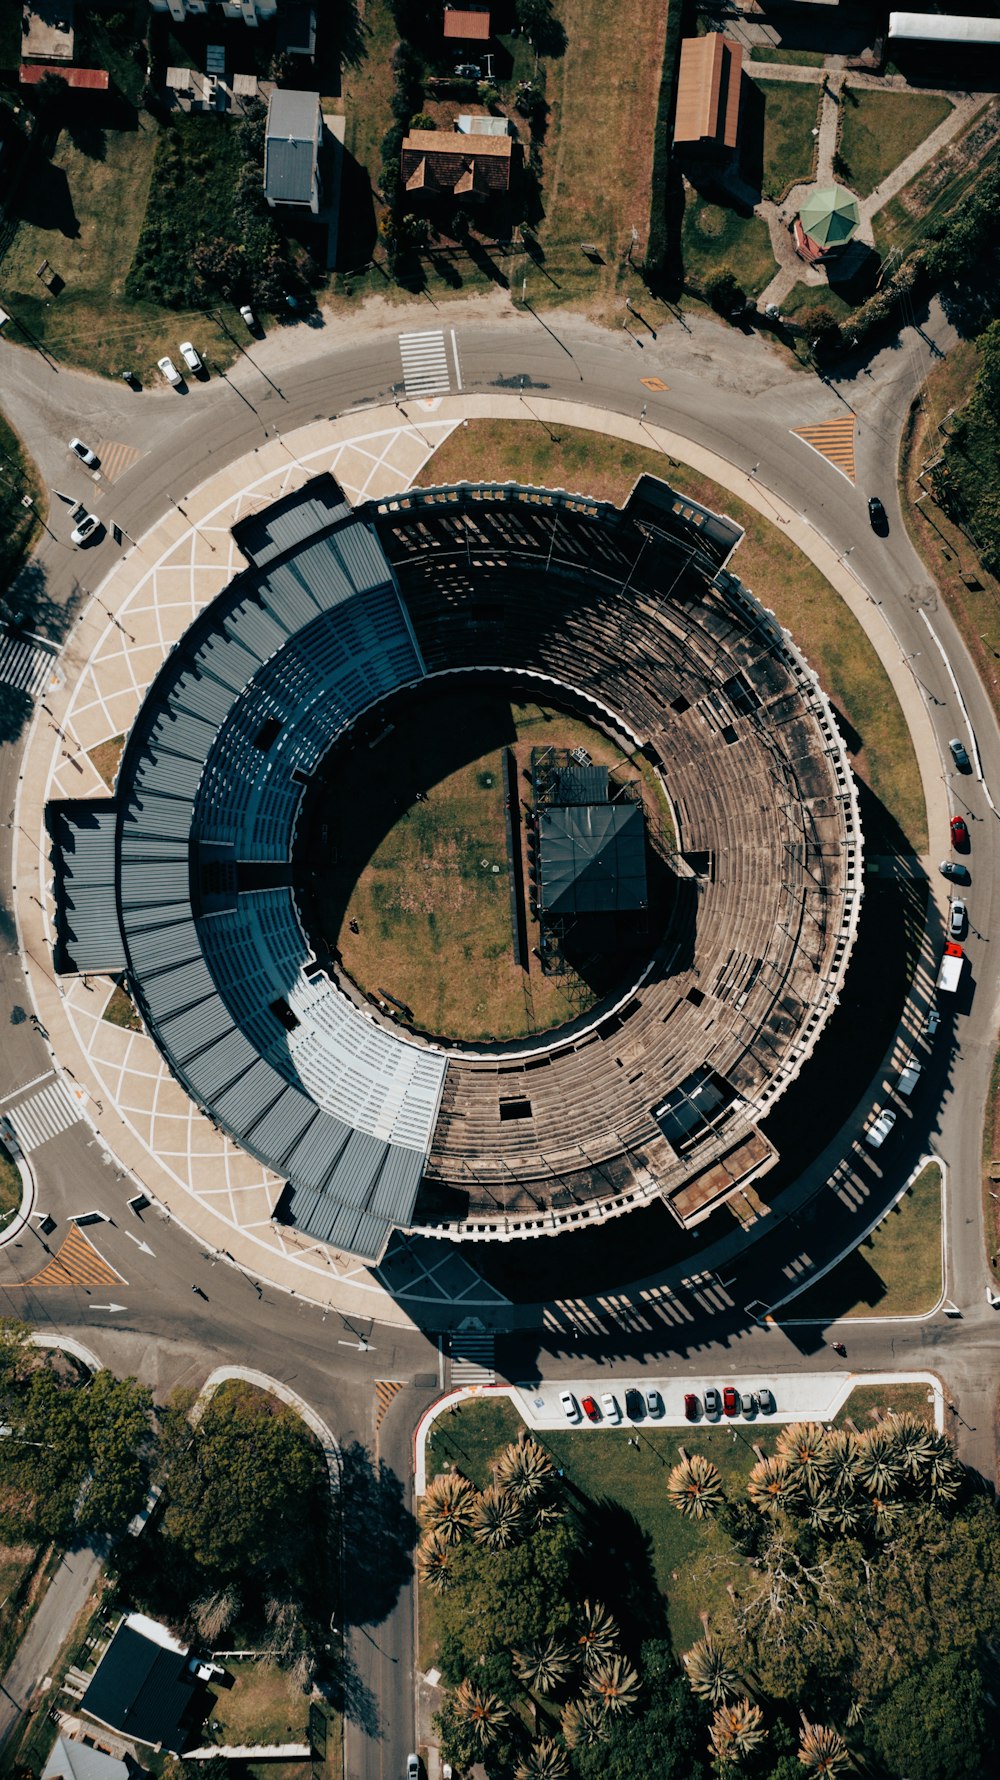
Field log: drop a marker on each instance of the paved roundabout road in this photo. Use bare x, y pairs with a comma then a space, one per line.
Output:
727, 396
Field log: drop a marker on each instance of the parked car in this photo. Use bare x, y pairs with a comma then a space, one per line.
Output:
959, 832
249, 317
877, 1133
877, 514
950, 868
765, 1400
956, 918
959, 755
731, 1400
84, 453
468, 70
748, 1402
571, 1408
85, 528
169, 370
591, 1410
130, 378
933, 1022
635, 1404
654, 1402
713, 1402
190, 357
609, 1404
413, 1767
690, 1406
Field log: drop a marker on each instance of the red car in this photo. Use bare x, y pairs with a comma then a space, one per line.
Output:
959, 832
591, 1410
731, 1400
690, 1406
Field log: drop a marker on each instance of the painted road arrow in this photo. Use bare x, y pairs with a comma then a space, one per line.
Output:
107, 1307
144, 1246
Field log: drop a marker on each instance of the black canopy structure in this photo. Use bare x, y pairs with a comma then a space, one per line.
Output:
592, 859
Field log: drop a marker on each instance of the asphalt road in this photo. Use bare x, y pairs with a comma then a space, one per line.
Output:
739, 399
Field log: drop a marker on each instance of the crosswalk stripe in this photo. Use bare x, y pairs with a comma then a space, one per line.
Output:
28, 666
76, 1263
425, 363
116, 458
51, 1110
834, 440
472, 1359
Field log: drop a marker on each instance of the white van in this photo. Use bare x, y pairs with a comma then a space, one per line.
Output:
909, 1076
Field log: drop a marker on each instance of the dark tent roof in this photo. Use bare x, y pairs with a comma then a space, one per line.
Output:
592, 859
142, 1689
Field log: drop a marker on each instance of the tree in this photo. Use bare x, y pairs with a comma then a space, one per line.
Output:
545, 1665
448, 1505
585, 1722
880, 1467
541, 27
599, 1636
486, 1714
666, 1739
497, 1519
525, 1470
247, 1486
116, 1414
840, 1462
934, 1719
695, 1488
725, 292
823, 329
711, 1672
823, 1751
802, 1445
547, 1760
773, 1486
505, 1600
616, 1683
736, 1731
434, 1555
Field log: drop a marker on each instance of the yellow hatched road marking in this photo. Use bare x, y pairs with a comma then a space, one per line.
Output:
76, 1263
385, 1390
116, 458
653, 383
834, 440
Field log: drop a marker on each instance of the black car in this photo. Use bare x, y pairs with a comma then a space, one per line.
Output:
635, 1405
877, 515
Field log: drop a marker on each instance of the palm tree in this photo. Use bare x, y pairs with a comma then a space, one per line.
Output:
485, 1713
820, 1508
736, 1731
944, 1480
584, 1721
840, 1461
773, 1486
547, 1511
884, 1516
447, 1506
695, 1487
497, 1519
822, 1750
524, 1469
710, 1671
545, 1665
598, 1640
616, 1683
913, 1443
880, 1469
801, 1445
434, 1556
546, 1760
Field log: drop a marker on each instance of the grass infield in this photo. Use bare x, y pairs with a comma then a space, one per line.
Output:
896, 1271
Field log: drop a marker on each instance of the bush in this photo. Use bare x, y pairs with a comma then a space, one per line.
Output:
725, 292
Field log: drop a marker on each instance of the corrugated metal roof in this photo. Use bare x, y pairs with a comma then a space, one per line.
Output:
294, 127
88, 932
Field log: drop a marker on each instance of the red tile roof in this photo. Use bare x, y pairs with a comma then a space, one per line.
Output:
96, 79
467, 26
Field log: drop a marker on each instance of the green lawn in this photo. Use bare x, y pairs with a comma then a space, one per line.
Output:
793, 58
879, 129
803, 297
19, 526
936, 191
914, 1399
713, 238
896, 1271
107, 759
264, 1705
86, 218
790, 113
10, 1188
608, 1471
120, 1011
779, 575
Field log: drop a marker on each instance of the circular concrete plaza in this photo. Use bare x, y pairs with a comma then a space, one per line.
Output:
341, 1124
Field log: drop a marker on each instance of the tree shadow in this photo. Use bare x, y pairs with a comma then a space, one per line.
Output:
619, 1569
90, 139
46, 201
379, 1534
353, 1698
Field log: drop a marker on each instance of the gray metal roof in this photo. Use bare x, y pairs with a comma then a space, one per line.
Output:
291, 146
591, 858
89, 936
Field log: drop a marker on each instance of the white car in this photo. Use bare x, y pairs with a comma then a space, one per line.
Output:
190, 357
412, 1768
609, 1404
933, 1022
84, 453
170, 371
654, 1403
876, 1134
249, 317
956, 918
570, 1406
85, 528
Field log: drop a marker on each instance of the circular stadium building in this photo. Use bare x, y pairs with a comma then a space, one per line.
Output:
675, 869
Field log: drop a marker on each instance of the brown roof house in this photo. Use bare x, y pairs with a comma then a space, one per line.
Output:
446, 164
467, 24
708, 94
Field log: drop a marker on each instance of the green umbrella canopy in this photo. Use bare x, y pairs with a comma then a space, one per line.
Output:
830, 216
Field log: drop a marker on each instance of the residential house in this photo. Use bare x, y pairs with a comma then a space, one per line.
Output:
291, 149
252, 12
74, 1759
707, 115
146, 1686
447, 164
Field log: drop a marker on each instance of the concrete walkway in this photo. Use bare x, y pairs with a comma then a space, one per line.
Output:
61, 1605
